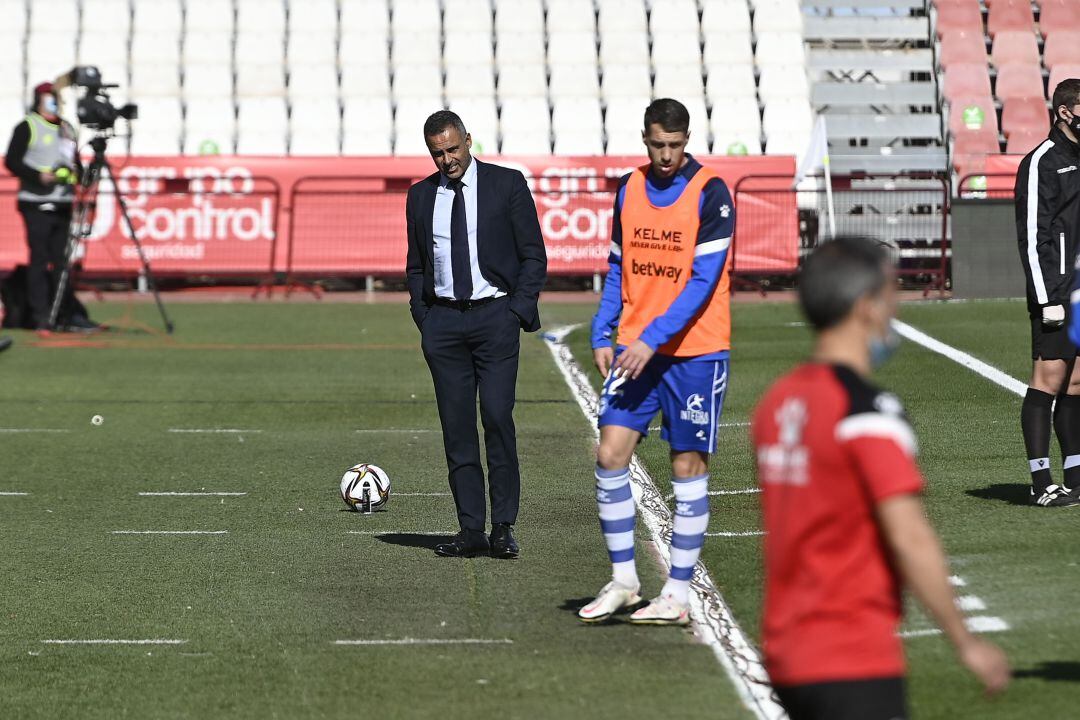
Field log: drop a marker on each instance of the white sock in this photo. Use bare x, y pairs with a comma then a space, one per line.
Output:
616, 506
688, 533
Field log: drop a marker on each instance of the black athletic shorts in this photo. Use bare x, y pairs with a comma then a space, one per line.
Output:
1050, 343
877, 699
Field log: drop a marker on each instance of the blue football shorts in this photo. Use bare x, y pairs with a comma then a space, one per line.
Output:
689, 392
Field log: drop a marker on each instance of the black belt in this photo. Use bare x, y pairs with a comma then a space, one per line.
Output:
464, 304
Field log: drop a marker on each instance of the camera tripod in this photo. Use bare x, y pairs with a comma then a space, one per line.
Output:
83, 222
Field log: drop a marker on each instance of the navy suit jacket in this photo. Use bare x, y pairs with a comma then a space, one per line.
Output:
508, 241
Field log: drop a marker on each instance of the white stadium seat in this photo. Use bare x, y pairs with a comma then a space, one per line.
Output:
147, 47
13, 17
786, 125
208, 81
48, 55
574, 81
525, 142
258, 48
780, 82
160, 113
262, 125
778, 16
417, 49
622, 15
208, 48
150, 140
359, 140
623, 123
97, 47
149, 80
359, 81
522, 80
679, 81
780, 48
526, 129
55, 16
624, 48
571, 48
11, 80
723, 49
415, 16
626, 81
409, 117
468, 48
511, 48
358, 49
314, 16
576, 115
571, 16
367, 114
315, 128
674, 16
578, 143
470, 81
163, 18
211, 16
729, 81
736, 116
311, 48
733, 143
699, 124
209, 119
260, 81
481, 120
312, 82
260, 16
12, 110
112, 17
676, 49
417, 81
368, 16
467, 16
519, 16
725, 16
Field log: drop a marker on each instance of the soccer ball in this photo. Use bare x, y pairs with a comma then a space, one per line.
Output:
365, 488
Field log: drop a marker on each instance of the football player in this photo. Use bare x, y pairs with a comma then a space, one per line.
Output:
665, 310
844, 521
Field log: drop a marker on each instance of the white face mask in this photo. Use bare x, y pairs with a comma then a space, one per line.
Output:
48, 104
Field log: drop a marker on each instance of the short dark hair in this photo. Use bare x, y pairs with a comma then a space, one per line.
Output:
1067, 93
439, 121
836, 274
671, 115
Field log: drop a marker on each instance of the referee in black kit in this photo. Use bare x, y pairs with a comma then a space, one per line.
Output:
1047, 196
476, 265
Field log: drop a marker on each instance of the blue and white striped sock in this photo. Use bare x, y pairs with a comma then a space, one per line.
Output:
616, 506
688, 533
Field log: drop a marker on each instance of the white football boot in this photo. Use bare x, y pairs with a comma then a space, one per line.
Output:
662, 610
612, 598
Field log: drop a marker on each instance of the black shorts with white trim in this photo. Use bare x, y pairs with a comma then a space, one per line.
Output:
875, 699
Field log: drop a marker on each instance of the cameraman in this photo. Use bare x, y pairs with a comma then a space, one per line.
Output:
43, 155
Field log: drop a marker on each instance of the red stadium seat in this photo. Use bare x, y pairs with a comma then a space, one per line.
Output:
1021, 143
970, 149
966, 79
963, 46
966, 16
1015, 46
1057, 16
1018, 80
1062, 71
961, 119
1010, 15
1062, 47
1025, 115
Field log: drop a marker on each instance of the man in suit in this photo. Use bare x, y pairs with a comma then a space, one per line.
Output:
475, 268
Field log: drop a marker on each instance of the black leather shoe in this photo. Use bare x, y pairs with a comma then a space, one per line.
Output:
81, 323
5, 343
503, 544
467, 543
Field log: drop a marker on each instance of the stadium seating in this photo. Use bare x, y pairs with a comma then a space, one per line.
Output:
1021, 143
1015, 46
1025, 115
1008, 15
1062, 47
1057, 16
962, 46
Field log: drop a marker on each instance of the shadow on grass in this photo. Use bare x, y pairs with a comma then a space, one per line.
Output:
1054, 670
417, 540
572, 605
1012, 493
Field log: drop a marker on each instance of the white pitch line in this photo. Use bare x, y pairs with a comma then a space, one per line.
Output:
397, 430
713, 622
657, 428
970, 603
715, 493
429, 641
169, 532
972, 363
31, 430
976, 624
14, 494
115, 642
214, 430
447, 533
192, 494
957, 581
423, 494
746, 533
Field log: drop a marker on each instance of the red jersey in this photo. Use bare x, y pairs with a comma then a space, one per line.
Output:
829, 447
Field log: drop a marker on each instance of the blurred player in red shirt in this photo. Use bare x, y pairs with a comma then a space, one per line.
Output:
844, 520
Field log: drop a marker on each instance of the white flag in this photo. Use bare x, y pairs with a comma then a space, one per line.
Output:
816, 156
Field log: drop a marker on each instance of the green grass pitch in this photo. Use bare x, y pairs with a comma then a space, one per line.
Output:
314, 388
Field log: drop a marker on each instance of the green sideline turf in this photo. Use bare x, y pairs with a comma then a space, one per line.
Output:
261, 605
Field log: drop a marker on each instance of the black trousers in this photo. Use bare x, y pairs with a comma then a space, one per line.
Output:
470, 352
876, 699
47, 235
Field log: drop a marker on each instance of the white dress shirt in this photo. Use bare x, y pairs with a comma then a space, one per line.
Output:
440, 230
